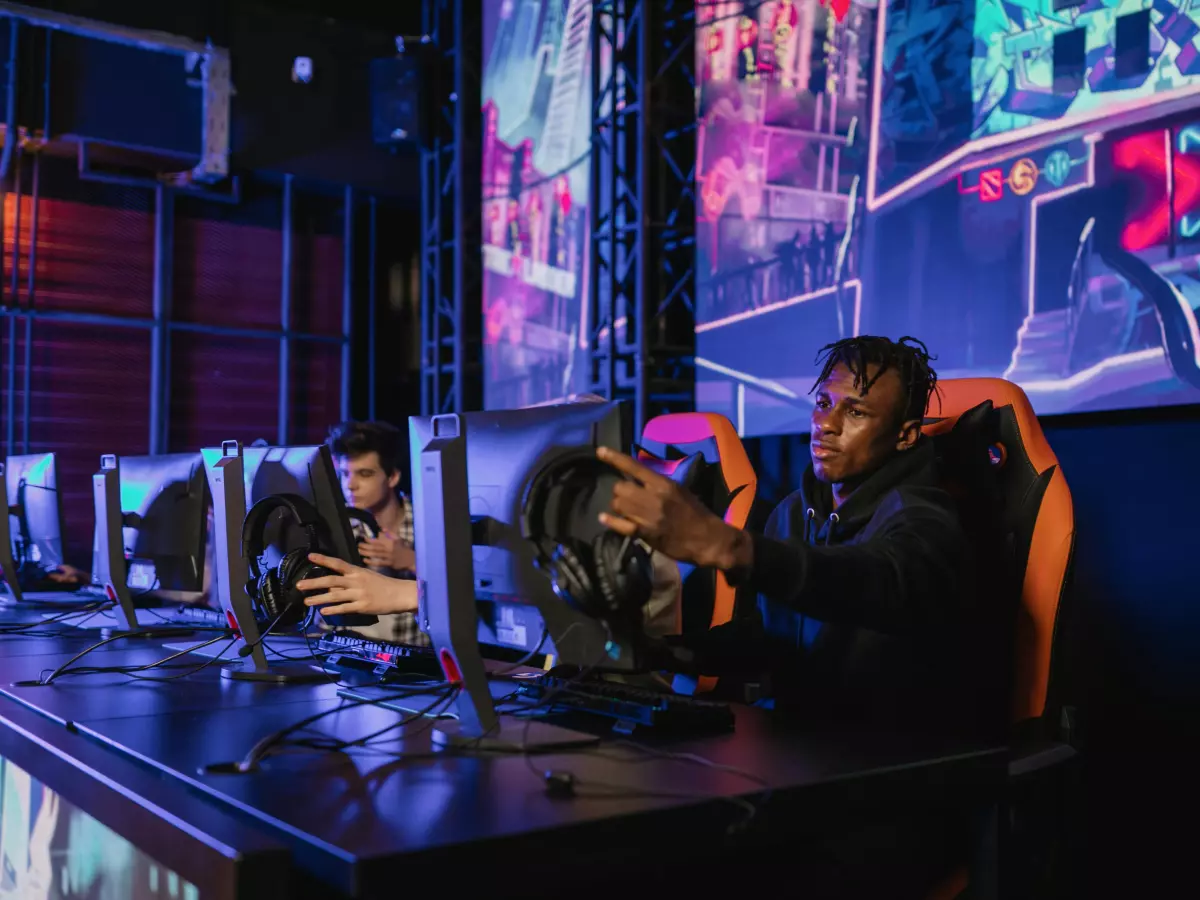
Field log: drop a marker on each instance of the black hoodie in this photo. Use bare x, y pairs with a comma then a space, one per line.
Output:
868, 611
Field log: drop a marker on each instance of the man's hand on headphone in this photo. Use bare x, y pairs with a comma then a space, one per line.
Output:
671, 520
355, 589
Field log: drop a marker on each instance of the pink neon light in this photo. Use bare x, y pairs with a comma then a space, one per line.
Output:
991, 185
1149, 157
839, 8
1143, 155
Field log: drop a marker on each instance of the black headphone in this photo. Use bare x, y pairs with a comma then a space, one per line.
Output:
609, 578
274, 589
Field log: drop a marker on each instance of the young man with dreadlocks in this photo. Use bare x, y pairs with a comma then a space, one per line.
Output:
862, 574
865, 593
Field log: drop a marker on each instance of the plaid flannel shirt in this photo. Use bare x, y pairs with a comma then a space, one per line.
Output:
400, 628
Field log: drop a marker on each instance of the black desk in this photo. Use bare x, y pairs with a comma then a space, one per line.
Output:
107, 816
363, 825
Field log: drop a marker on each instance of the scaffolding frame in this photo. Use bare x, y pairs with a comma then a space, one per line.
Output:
642, 205
451, 209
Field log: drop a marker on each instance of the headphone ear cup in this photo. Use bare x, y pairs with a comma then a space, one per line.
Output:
639, 577
290, 601
268, 593
305, 570
608, 573
625, 574
570, 579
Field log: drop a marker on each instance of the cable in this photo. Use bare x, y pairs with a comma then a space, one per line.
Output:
262, 748
245, 651
204, 665
524, 660
333, 677
554, 692
27, 629
750, 808
430, 713
573, 781
67, 669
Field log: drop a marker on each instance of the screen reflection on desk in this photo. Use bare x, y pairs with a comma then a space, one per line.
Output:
50, 849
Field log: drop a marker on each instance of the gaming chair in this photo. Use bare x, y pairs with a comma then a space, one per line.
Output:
702, 452
1039, 522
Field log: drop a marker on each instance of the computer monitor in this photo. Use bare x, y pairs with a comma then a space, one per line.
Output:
239, 478
31, 544
164, 518
505, 450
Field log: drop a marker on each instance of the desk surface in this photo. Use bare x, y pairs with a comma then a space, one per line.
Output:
350, 819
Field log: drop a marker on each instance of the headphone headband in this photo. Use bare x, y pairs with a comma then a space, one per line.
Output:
255, 523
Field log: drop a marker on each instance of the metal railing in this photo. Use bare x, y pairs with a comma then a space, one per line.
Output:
745, 382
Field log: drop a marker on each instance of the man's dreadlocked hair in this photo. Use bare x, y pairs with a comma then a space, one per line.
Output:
908, 356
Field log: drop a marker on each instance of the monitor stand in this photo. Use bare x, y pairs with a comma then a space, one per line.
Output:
446, 592
227, 483
8, 565
109, 568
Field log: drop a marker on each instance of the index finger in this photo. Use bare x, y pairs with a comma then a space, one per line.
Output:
332, 563
627, 465
324, 583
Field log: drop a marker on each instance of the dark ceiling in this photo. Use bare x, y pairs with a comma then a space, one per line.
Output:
211, 18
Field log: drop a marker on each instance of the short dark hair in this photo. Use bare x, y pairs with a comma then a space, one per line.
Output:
908, 356
350, 439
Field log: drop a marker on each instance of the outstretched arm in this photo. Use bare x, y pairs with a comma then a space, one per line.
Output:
905, 577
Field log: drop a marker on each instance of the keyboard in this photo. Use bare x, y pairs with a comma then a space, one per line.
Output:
203, 617
633, 707
196, 615
377, 661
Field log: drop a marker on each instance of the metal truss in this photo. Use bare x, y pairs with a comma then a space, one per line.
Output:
162, 325
642, 202
451, 235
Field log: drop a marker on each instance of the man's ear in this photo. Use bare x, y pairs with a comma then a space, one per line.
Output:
909, 432
394, 479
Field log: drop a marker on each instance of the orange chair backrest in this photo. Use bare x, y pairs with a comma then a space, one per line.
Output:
714, 437
1040, 516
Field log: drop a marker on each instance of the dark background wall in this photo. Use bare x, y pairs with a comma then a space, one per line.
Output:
89, 383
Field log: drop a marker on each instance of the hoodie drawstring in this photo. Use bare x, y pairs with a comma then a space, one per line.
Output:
810, 518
